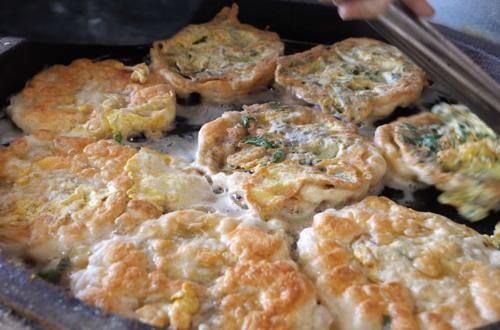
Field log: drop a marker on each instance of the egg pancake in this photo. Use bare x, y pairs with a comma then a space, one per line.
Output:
190, 269
95, 99
59, 194
357, 79
451, 149
379, 265
222, 60
295, 158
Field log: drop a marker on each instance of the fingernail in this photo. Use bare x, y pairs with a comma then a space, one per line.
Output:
343, 13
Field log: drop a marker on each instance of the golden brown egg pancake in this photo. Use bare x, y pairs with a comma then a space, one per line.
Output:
379, 265
295, 158
189, 269
451, 149
61, 194
95, 99
222, 59
357, 79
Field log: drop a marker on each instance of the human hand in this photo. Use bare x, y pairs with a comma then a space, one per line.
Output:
356, 9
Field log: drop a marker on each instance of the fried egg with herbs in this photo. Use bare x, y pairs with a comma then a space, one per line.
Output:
379, 265
95, 99
59, 195
357, 79
450, 148
222, 60
295, 158
193, 270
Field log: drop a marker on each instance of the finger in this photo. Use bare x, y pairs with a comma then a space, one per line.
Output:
362, 8
420, 7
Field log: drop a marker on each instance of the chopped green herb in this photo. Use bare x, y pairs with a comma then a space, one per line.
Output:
118, 137
246, 119
387, 322
462, 132
201, 40
374, 75
435, 127
429, 141
306, 161
258, 141
278, 156
234, 35
275, 104
409, 126
54, 275
406, 139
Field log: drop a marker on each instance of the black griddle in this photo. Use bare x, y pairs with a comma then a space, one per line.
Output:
301, 26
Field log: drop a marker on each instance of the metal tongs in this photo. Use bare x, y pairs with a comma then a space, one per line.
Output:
442, 61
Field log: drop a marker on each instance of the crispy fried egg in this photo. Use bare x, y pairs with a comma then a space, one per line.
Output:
222, 59
295, 158
190, 269
379, 265
357, 79
95, 99
60, 194
451, 149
